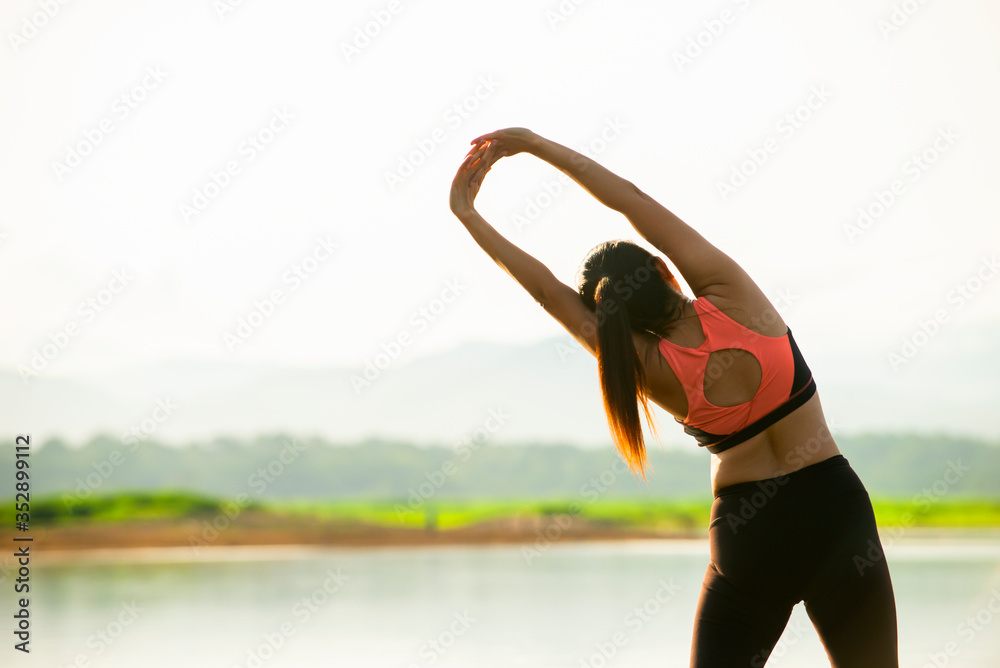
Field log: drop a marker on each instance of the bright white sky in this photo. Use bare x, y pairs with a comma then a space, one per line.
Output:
333, 124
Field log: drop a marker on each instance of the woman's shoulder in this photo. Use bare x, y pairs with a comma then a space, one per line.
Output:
749, 308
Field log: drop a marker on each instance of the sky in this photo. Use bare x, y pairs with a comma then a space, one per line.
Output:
252, 182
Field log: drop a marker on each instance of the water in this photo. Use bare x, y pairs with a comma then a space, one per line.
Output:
618, 604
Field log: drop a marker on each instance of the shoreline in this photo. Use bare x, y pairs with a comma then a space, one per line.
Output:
201, 536
200, 540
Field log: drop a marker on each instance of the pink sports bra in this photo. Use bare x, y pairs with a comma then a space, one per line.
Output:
786, 381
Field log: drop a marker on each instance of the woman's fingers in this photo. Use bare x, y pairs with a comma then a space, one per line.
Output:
489, 151
478, 161
478, 146
491, 137
486, 161
482, 154
476, 152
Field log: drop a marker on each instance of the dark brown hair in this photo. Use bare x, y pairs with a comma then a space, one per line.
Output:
619, 281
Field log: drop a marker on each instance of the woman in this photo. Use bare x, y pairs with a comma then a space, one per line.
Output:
790, 521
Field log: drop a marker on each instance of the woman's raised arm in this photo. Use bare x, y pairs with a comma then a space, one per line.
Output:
610, 189
705, 268
558, 299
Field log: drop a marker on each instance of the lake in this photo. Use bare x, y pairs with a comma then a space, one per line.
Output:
615, 604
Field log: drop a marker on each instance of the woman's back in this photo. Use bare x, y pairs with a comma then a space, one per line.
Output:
735, 390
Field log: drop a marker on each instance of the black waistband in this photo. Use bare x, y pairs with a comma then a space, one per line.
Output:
800, 475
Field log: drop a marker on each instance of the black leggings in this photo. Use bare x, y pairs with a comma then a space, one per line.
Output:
805, 536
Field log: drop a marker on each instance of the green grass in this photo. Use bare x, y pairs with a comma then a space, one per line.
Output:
114, 508
445, 515
451, 513
938, 513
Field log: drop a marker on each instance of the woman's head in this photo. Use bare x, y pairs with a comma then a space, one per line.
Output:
628, 288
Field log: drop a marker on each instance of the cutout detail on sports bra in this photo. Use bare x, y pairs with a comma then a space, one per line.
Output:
765, 376
740, 374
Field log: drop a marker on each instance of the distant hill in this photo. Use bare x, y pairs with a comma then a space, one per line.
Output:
891, 465
550, 390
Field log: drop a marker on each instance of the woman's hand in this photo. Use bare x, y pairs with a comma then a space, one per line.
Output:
511, 140
471, 173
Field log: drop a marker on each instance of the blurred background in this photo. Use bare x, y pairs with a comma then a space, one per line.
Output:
284, 411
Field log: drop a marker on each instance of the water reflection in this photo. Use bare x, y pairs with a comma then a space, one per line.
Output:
569, 605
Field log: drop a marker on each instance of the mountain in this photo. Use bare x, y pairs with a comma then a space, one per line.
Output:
549, 391
276, 466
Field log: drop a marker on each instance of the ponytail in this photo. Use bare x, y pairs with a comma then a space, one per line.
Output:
621, 374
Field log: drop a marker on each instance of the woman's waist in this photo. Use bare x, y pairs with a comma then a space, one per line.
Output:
799, 440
